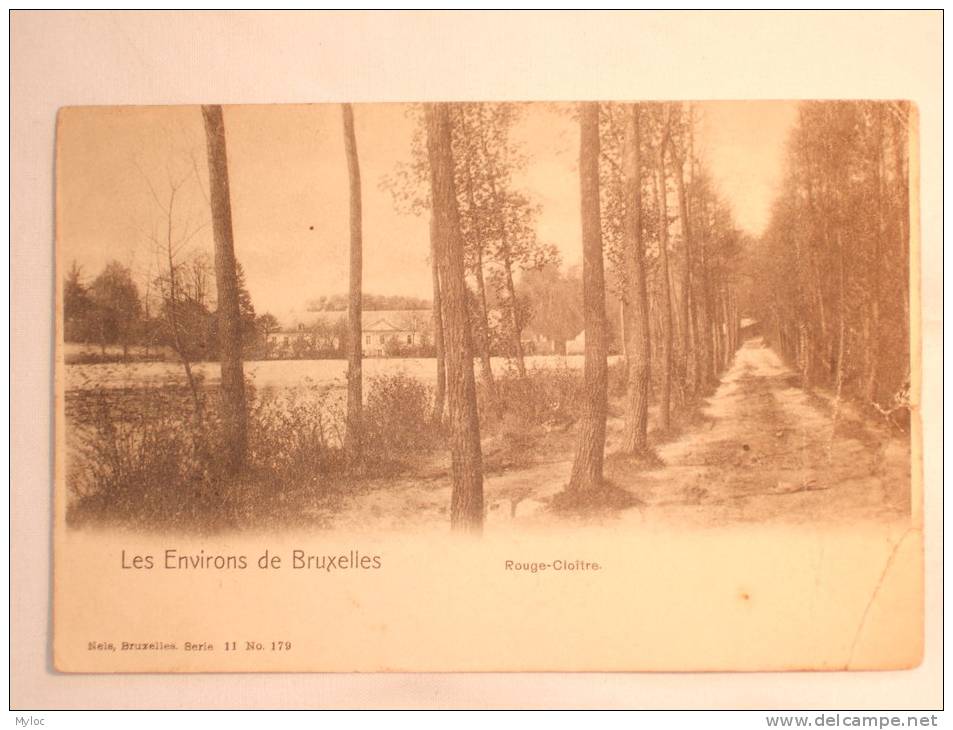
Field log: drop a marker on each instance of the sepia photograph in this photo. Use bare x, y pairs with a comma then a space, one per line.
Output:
485, 317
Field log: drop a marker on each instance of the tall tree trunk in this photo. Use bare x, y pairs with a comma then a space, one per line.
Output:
486, 364
226, 280
816, 283
514, 318
804, 354
677, 324
802, 275
902, 166
499, 203
841, 342
635, 305
590, 453
665, 400
841, 314
725, 344
872, 322
700, 295
466, 506
353, 435
735, 321
689, 337
829, 253
705, 352
199, 408
623, 329
717, 353
726, 307
439, 397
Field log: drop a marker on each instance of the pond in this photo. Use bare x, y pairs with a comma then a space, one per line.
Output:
282, 373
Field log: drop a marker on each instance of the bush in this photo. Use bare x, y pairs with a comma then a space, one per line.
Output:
550, 397
150, 465
141, 457
295, 437
397, 417
397, 414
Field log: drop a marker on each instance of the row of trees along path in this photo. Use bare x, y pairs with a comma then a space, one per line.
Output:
678, 292
674, 270
835, 280
678, 320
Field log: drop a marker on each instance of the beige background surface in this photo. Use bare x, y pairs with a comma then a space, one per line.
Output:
62, 59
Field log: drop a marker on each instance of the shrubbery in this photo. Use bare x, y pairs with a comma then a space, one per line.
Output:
151, 464
145, 459
547, 397
142, 457
397, 417
295, 437
542, 398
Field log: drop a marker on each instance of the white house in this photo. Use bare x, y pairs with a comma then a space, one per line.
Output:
383, 332
577, 345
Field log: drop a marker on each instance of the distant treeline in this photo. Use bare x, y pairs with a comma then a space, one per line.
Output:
370, 302
111, 310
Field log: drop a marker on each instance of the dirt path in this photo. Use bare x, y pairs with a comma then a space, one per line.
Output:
763, 450
768, 450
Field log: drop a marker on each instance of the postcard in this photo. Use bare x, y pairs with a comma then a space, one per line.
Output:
505, 386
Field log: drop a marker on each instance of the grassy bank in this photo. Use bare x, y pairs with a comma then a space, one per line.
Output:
147, 456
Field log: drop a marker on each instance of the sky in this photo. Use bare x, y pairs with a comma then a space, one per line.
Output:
289, 188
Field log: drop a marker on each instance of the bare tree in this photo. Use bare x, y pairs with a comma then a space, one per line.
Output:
169, 245
226, 281
354, 432
590, 452
466, 507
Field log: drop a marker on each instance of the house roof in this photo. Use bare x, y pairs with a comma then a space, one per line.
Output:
383, 325
391, 320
